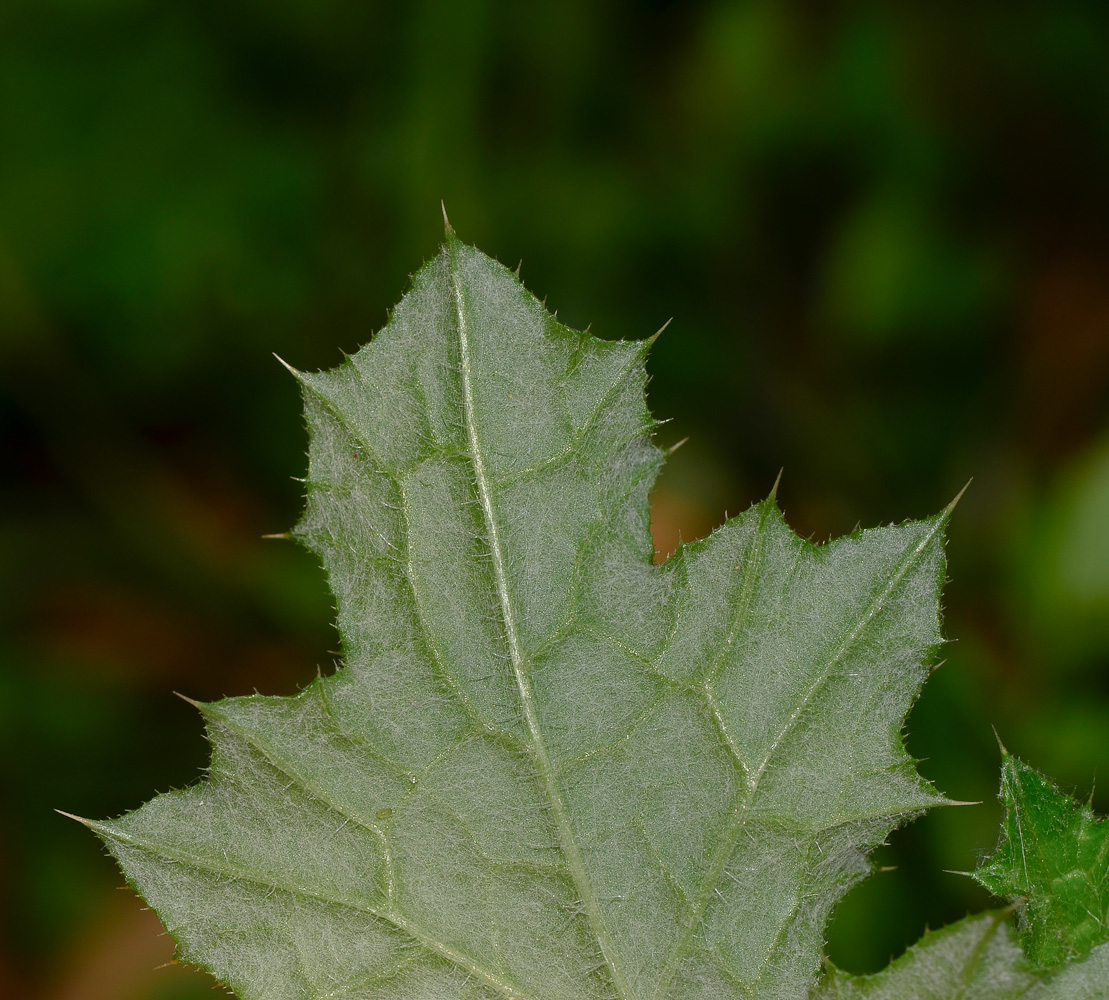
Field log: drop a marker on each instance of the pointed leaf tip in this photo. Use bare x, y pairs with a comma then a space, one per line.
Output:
288, 367
80, 819
447, 229
777, 482
198, 705
947, 511
658, 333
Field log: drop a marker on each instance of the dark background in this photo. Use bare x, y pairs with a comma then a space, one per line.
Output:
883, 232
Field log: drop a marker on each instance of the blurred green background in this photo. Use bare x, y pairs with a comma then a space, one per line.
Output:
883, 232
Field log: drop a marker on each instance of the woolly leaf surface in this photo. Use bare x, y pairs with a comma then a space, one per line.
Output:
548, 768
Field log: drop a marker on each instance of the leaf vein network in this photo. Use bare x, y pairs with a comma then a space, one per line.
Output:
580, 433
745, 800
388, 916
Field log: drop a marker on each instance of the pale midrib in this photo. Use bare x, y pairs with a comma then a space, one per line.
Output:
727, 845
397, 920
569, 845
974, 959
754, 564
873, 608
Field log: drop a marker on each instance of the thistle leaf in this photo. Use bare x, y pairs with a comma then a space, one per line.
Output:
975, 959
547, 768
1051, 863
1053, 860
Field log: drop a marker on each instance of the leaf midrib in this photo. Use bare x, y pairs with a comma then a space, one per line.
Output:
568, 843
974, 959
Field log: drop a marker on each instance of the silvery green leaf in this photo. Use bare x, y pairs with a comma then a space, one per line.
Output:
548, 769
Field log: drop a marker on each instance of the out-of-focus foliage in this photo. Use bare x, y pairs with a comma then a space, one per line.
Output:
883, 233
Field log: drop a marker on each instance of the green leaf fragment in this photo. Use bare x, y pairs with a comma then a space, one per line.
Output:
975, 959
548, 768
1053, 858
